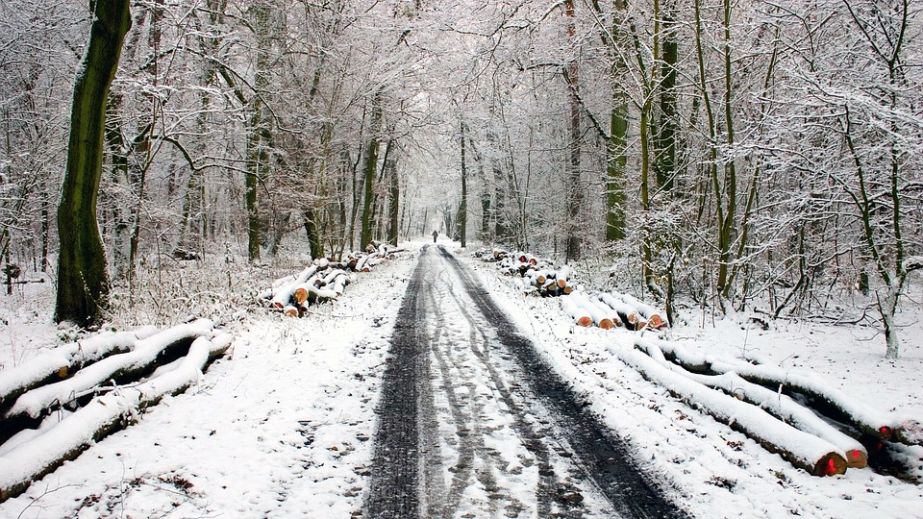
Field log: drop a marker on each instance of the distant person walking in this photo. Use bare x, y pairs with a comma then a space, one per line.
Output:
435, 235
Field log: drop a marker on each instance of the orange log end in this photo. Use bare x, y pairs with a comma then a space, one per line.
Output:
300, 295
656, 322
562, 283
290, 311
606, 324
567, 290
584, 321
857, 459
831, 464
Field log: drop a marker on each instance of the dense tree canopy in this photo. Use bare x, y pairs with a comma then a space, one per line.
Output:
730, 153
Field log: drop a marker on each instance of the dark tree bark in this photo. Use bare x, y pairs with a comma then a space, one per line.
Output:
463, 208
83, 283
394, 196
665, 140
574, 192
371, 164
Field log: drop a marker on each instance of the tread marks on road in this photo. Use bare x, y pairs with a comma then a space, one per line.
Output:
605, 458
394, 486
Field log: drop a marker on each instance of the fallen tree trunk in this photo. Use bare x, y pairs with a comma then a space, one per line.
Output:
125, 367
294, 279
779, 406
104, 415
62, 362
601, 317
825, 399
581, 317
806, 451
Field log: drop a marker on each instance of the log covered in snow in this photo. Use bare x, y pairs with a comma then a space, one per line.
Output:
824, 398
62, 362
33, 459
778, 405
147, 354
572, 308
806, 451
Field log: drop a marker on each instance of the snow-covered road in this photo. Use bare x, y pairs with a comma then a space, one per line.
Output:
434, 388
472, 423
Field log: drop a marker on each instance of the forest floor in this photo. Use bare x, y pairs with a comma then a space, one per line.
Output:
284, 426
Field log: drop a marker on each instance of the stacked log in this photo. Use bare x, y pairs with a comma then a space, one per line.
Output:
323, 281
120, 375
539, 276
800, 400
803, 450
606, 309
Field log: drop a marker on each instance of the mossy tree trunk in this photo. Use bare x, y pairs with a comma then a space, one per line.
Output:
574, 188
83, 283
371, 165
665, 141
616, 148
463, 207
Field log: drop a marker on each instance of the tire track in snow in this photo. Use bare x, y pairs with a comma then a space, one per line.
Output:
394, 486
605, 459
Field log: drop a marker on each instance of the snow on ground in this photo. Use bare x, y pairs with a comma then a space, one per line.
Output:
281, 427
709, 469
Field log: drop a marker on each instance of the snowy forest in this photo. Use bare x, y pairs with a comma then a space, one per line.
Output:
728, 152
552, 258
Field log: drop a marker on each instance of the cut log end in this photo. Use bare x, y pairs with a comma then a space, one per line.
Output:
300, 295
656, 322
585, 321
567, 290
606, 324
857, 459
831, 464
290, 311
885, 432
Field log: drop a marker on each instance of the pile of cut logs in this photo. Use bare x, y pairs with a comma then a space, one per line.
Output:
539, 276
322, 281
605, 310
612, 310
54, 406
807, 421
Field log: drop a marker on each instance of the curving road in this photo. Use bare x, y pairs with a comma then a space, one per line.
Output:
473, 423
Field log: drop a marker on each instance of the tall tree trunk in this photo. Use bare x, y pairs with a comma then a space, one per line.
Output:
665, 141
574, 188
394, 196
371, 164
712, 129
616, 148
83, 284
259, 135
463, 207
728, 226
